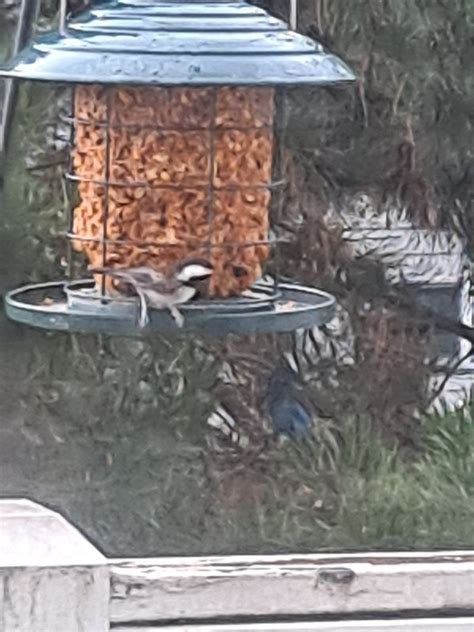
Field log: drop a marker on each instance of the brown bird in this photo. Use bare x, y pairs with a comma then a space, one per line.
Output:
163, 290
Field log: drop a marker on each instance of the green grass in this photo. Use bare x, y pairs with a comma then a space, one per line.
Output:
126, 458
426, 501
367, 496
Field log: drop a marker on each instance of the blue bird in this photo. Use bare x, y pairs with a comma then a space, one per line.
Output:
289, 416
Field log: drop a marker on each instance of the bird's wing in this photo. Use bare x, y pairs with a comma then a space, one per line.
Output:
301, 415
143, 275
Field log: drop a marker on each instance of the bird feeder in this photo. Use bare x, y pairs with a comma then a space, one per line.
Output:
176, 153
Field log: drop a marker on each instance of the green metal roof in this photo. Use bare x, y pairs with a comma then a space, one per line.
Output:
177, 43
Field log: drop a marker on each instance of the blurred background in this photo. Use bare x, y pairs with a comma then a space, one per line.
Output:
355, 436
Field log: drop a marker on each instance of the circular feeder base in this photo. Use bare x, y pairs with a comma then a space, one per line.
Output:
76, 307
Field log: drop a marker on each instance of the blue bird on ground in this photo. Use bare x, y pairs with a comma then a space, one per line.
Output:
288, 414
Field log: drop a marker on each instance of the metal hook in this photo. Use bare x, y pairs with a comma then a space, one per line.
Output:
63, 17
294, 14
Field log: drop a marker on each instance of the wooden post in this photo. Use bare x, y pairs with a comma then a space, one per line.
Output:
51, 578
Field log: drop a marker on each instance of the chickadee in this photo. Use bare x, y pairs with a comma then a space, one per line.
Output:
163, 290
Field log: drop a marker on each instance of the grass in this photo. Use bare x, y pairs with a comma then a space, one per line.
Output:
419, 503
376, 497
123, 453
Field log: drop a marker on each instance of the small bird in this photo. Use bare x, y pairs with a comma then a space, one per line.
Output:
288, 414
163, 290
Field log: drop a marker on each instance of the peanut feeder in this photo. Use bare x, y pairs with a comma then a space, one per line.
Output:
173, 155
188, 173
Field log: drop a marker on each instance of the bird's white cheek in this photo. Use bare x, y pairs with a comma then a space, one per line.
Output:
193, 271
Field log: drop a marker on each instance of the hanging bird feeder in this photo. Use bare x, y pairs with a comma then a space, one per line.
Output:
176, 158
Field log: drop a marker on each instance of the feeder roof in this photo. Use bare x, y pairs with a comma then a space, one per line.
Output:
194, 43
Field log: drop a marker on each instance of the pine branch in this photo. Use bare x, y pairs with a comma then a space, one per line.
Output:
404, 300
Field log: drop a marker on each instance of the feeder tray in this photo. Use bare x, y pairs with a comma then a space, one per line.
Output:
77, 307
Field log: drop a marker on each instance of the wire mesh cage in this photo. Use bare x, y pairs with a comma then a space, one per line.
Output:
165, 174
175, 184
